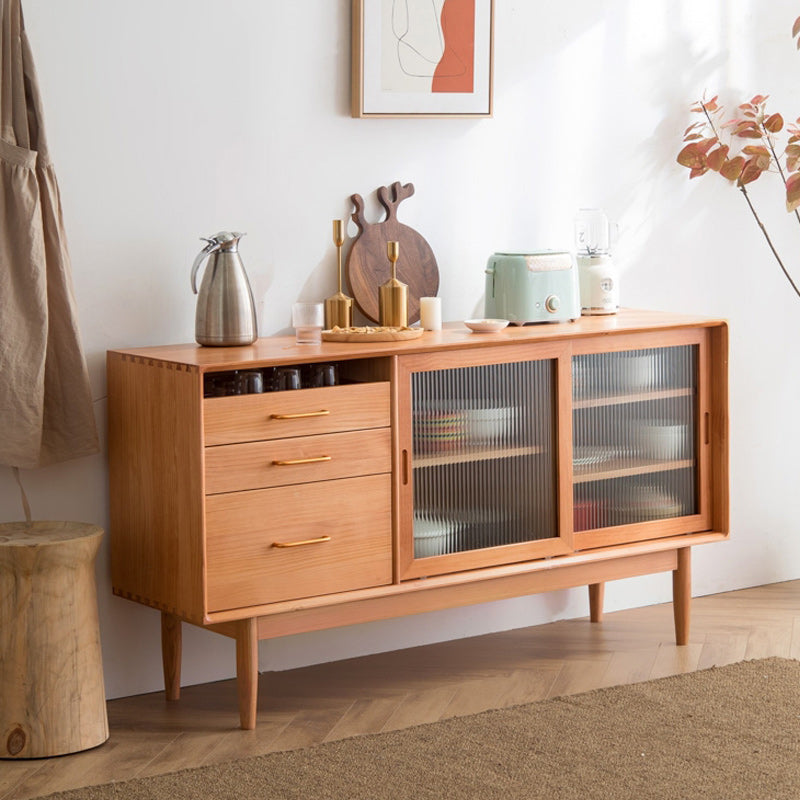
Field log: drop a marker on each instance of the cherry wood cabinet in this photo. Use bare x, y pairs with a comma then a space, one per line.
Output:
448, 470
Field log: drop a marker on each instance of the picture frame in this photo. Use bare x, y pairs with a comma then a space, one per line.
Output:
422, 58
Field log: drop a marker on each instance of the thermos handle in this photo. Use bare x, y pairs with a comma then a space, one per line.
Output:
212, 245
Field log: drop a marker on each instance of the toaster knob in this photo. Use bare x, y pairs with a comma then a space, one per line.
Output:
552, 304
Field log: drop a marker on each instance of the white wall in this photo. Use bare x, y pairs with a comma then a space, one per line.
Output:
172, 119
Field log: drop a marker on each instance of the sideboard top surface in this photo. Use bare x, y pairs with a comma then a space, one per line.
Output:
454, 335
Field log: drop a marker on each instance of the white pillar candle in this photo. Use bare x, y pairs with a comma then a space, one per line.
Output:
430, 313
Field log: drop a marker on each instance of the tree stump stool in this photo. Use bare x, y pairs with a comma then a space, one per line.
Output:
52, 697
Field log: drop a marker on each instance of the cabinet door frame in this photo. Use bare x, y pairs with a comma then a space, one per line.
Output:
407, 566
704, 444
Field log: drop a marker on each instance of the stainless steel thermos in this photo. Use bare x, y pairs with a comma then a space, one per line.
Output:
226, 313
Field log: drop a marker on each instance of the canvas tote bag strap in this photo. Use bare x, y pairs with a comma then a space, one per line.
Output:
23, 309
13, 103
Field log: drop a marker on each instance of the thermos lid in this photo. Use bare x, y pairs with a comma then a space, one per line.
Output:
228, 241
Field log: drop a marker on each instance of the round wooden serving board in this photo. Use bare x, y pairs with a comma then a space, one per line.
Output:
368, 265
372, 335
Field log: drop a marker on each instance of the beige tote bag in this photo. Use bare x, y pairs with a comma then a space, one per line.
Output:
46, 410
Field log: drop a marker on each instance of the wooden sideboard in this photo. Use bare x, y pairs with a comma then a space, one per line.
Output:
452, 469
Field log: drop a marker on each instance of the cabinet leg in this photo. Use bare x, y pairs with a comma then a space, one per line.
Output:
247, 672
171, 638
682, 595
596, 595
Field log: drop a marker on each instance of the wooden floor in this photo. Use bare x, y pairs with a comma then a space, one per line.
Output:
394, 690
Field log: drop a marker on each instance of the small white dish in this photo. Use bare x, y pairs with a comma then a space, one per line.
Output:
485, 425
434, 538
486, 325
664, 440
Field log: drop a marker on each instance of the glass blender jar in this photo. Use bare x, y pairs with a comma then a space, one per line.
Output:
599, 283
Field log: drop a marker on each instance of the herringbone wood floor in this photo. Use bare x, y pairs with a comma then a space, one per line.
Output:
383, 692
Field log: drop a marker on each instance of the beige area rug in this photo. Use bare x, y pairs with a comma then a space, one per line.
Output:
730, 732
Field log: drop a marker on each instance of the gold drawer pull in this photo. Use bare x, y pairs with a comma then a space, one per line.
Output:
320, 540
303, 415
292, 461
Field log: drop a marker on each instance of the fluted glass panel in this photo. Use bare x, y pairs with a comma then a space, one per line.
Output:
484, 467
634, 436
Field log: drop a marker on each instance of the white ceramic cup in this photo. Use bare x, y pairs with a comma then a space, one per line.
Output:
307, 321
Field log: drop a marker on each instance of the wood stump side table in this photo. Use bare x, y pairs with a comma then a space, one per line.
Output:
52, 696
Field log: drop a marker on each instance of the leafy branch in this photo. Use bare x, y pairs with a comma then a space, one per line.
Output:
749, 150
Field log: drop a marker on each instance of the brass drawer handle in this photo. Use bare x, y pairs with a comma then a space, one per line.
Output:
303, 415
319, 540
292, 461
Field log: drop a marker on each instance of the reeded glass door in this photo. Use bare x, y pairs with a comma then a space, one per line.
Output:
635, 428
483, 464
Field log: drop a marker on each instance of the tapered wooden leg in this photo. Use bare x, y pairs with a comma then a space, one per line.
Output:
682, 595
247, 672
596, 594
171, 638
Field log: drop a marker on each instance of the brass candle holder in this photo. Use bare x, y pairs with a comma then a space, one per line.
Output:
338, 307
393, 295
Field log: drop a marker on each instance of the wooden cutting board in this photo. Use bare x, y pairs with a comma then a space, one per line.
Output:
368, 265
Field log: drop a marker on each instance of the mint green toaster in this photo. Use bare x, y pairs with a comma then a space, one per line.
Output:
532, 287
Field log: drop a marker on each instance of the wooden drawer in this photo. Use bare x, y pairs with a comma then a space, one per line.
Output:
245, 568
279, 415
259, 465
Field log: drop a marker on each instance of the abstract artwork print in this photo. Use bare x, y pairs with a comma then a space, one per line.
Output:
428, 46
422, 58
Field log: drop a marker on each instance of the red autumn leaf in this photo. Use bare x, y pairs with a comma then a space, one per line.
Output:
750, 172
759, 99
697, 172
692, 137
693, 127
760, 156
792, 154
711, 105
796, 27
732, 168
793, 192
694, 153
717, 157
773, 123
743, 124
747, 132
692, 156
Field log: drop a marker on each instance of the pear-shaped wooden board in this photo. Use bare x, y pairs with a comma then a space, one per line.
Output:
368, 265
